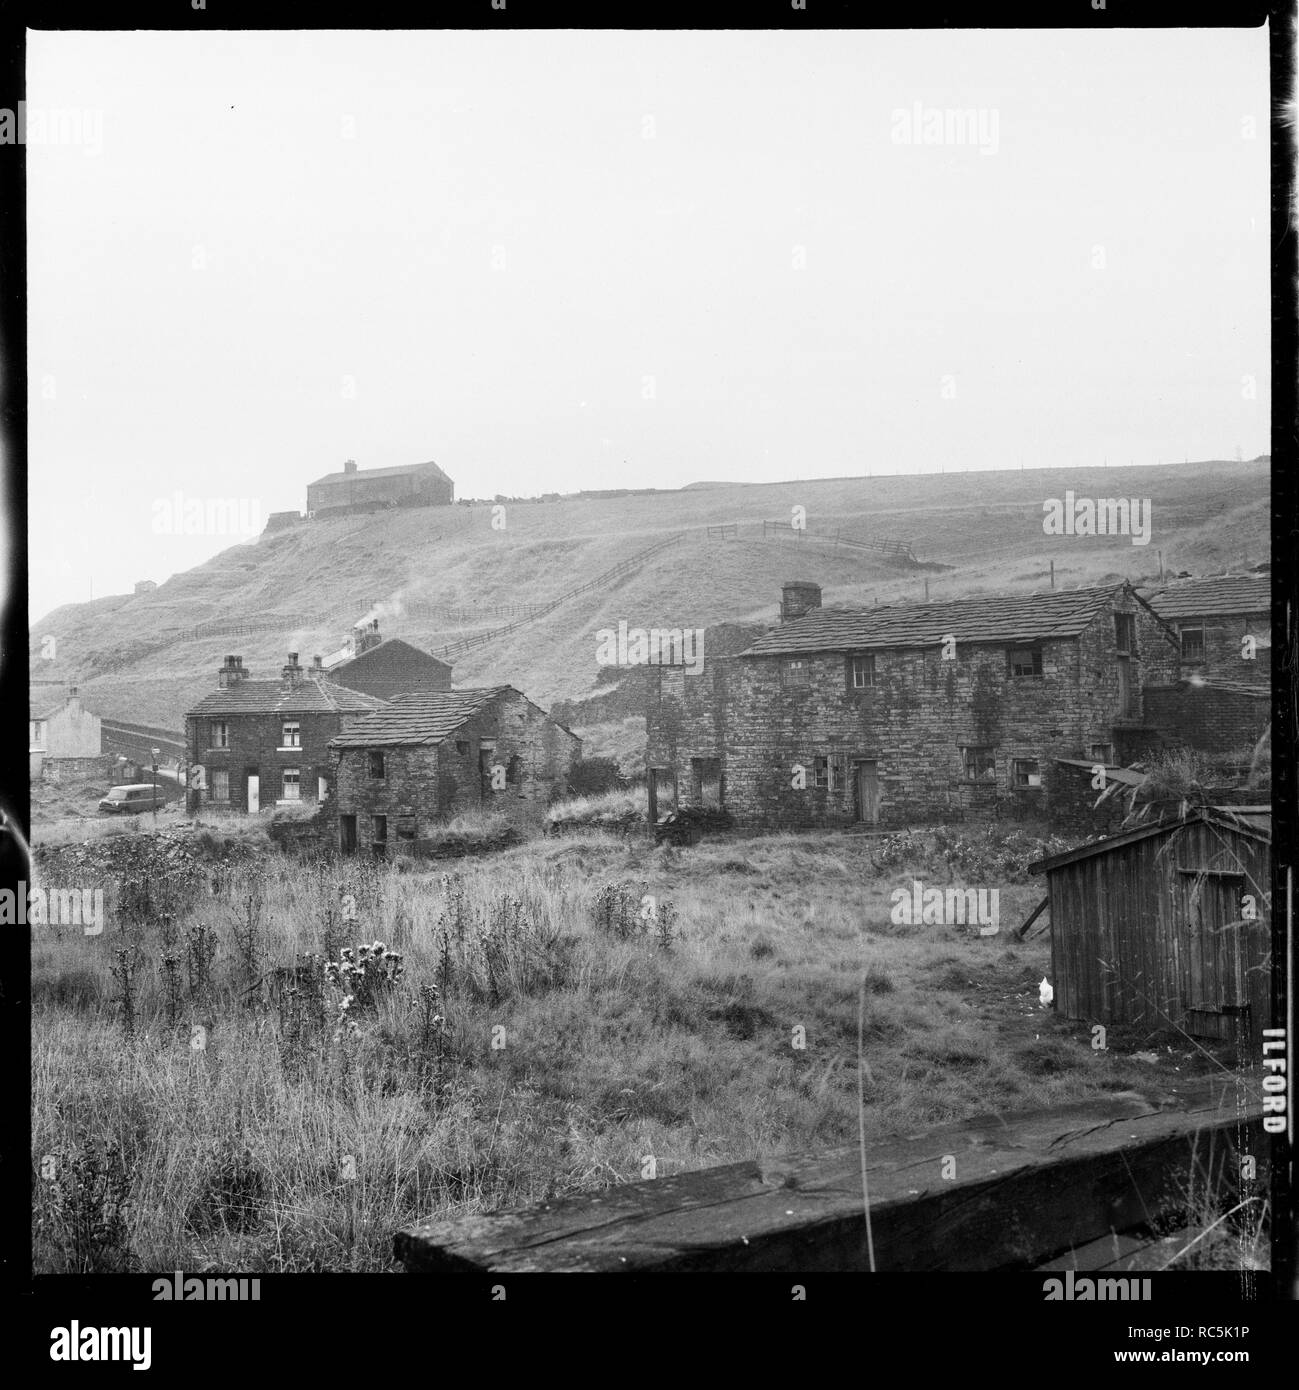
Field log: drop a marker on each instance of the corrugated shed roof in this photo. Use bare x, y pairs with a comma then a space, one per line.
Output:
381, 473
420, 717
995, 618
1255, 821
312, 696
1228, 593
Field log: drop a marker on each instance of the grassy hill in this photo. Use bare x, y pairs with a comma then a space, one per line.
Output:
320, 578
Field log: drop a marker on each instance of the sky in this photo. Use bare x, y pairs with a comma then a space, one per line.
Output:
561, 260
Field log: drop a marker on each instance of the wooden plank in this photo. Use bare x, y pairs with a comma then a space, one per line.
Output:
1024, 1188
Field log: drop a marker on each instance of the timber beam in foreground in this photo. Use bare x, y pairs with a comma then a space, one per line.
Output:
1024, 1189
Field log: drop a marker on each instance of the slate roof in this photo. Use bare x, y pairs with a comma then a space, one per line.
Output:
381, 473
426, 716
340, 660
312, 696
1229, 593
992, 618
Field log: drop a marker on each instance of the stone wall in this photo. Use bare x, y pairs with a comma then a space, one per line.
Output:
1213, 721
432, 783
913, 723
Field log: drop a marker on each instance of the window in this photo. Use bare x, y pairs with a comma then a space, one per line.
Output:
1125, 632
513, 769
462, 747
797, 672
405, 827
37, 739
376, 762
1024, 773
292, 784
980, 764
1101, 753
292, 734
862, 671
380, 827
219, 734
1192, 643
220, 785
821, 776
1024, 661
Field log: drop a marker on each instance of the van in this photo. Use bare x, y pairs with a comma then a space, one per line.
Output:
133, 799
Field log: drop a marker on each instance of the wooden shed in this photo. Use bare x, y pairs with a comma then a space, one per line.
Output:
1168, 924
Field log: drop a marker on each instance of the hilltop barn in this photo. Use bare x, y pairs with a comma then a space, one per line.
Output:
258, 743
1167, 925
905, 713
353, 489
1219, 700
431, 756
385, 667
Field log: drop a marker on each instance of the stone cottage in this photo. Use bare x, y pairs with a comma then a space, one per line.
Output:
1219, 699
258, 743
911, 712
63, 737
430, 756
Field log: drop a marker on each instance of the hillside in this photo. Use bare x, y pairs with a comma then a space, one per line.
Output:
305, 587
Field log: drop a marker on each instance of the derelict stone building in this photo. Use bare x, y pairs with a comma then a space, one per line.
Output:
433, 755
910, 712
1220, 699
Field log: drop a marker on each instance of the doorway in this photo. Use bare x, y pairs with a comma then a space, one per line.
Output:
347, 834
254, 794
868, 793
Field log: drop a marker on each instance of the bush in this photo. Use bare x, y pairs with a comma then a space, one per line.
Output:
594, 776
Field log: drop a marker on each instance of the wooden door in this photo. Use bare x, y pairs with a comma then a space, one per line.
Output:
254, 794
868, 793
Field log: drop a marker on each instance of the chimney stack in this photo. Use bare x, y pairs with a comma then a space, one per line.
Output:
292, 673
349, 466
365, 636
231, 673
316, 664
798, 597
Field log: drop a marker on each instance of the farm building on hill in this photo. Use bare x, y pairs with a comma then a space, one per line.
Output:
1219, 699
386, 667
431, 756
1167, 925
353, 489
898, 714
258, 743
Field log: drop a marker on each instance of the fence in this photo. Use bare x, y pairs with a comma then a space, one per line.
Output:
730, 531
995, 1193
455, 649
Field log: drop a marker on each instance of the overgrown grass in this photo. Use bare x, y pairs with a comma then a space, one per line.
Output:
563, 1010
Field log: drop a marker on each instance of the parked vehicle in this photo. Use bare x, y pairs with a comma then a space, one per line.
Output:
133, 799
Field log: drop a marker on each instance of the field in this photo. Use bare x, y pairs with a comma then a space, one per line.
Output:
567, 1014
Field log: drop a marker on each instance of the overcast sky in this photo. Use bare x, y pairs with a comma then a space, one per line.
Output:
551, 261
